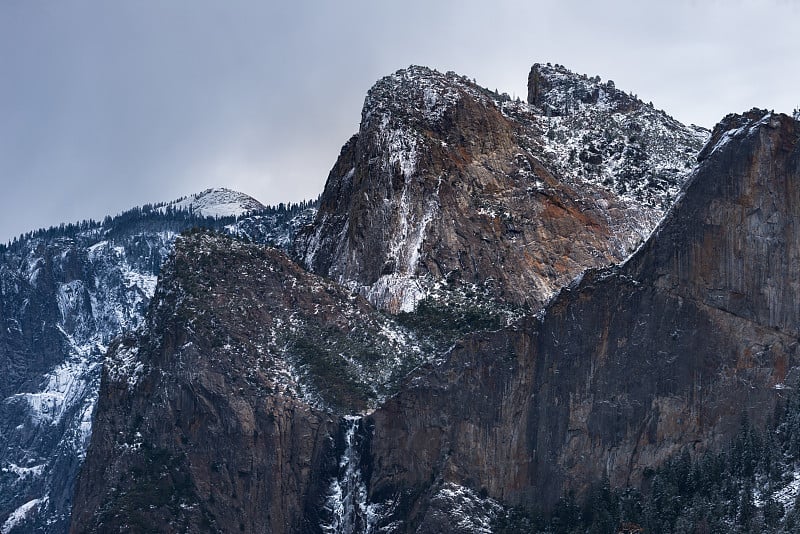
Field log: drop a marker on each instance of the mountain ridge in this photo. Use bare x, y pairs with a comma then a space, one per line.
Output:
65, 293
426, 139
440, 163
518, 415
502, 303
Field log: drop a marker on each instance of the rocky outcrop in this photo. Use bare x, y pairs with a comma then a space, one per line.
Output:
595, 133
222, 413
447, 180
167, 407
632, 364
65, 294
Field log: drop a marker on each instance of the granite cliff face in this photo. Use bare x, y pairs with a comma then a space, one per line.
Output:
167, 471
222, 412
447, 180
261, 397
632, 364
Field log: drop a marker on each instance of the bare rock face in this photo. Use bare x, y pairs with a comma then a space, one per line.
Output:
743, 256
447, 180
632, 364
191, 430
222, 412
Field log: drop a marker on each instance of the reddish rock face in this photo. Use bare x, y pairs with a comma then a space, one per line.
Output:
448, 180
632, 364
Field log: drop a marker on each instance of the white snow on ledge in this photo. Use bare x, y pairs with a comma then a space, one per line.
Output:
23, 472
63, 387
20, 514
395, 293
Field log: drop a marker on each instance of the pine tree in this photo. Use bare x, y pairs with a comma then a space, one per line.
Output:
747, 508
773, 512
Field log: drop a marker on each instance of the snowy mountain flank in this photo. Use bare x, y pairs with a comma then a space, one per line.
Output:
65, 294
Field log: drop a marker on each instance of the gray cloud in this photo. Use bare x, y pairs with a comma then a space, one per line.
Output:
106, 105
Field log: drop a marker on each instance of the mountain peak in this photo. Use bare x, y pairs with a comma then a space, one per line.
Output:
598, 133
559, 91
218, 202
419, 94
731, 126
439, 160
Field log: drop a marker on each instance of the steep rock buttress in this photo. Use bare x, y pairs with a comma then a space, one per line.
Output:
446, 180
632, 364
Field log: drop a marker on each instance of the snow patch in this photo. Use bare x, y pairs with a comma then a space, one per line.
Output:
19, 515
400, 292
71, 299
218, 202
124, 365
64, 387
402, 149
145, 282
24, 472
788, 494
465, 509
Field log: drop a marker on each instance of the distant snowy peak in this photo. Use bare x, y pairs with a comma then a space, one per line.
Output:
219, 202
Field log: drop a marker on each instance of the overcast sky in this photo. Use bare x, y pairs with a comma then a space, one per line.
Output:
105, 105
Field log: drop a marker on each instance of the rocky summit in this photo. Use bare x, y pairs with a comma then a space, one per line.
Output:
446, 180
571, 314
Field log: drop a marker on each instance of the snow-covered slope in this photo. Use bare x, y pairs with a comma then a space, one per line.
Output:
218, 202
77, 292
595, 133
65, 294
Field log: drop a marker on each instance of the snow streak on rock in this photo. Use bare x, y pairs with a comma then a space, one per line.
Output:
20, 514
